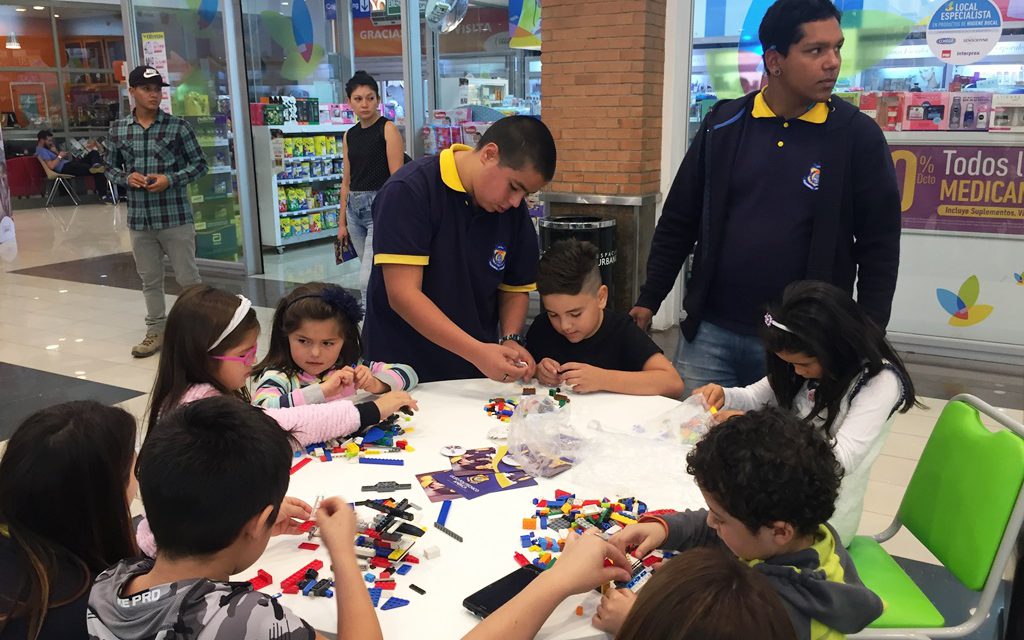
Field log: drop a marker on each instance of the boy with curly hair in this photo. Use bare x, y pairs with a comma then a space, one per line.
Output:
770, 483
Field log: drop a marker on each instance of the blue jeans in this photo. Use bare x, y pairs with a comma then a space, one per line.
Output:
720, 356
359, 220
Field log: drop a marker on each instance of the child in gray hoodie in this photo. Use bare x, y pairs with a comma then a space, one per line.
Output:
770, 482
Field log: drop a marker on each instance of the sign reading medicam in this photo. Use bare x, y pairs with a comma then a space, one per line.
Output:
964, 31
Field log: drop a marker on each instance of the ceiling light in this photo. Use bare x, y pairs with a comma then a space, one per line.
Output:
21, 9
12, 42
56, 15
38, 8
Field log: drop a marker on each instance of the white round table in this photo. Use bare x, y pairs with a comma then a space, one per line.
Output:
453, 413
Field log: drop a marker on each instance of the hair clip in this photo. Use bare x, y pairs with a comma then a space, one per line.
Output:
769, 321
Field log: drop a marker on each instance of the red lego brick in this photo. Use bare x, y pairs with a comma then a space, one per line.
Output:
298, 465
384, 575
562, 494
289, 584
379, 562
306, 526
521, 560
261, 580
649, 560
309, 546
387, 585
411, 559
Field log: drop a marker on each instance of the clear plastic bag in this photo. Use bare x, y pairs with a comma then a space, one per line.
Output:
540, 438
629, 459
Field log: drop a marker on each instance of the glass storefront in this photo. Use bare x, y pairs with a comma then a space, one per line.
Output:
57, 68
949, 95
186, 43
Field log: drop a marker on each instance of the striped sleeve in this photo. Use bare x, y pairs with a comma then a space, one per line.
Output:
277, 390
400, 377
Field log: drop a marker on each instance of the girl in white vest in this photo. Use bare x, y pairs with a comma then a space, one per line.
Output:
830, 364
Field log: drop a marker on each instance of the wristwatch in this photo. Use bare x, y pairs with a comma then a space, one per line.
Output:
514, 337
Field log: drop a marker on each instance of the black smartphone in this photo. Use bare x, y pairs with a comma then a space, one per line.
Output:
489, 599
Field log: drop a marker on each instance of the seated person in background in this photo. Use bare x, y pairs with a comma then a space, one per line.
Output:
213, 477
58, 160
576, 342
703, 594
65, 485
770, 482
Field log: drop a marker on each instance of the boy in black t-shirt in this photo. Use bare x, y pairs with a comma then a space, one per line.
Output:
577, 343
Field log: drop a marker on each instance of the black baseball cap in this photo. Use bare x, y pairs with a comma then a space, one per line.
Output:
142, 74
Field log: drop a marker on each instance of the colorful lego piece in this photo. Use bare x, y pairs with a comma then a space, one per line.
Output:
442, 517
309, 546
418, 590
440, 527
530, 524
404, 569
430, 553
290, 584
298, 465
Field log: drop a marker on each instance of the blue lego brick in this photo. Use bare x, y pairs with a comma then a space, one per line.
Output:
373, 435
404, 569
394, 603
369, 577
309, 587
388, 461
374, 596
445, 508
327, 454
543, 522
526, 541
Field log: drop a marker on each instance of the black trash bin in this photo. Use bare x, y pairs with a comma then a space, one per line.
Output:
598, 231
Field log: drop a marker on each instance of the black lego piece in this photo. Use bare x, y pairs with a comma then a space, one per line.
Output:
418, 590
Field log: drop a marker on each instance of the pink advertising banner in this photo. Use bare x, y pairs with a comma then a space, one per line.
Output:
970, 189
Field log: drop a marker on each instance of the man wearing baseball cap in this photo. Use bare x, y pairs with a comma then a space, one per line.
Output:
156, 155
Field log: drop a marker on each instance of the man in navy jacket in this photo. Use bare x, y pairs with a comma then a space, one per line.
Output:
781, 185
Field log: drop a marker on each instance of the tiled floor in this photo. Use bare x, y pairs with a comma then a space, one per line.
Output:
65, 319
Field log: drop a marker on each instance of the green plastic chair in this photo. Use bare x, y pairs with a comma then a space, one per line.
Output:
965, 503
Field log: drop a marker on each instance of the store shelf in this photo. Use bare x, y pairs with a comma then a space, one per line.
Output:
336, 176
221, 169
329, 156
306, 237
302, 212
308, 128
953, 137
217, 142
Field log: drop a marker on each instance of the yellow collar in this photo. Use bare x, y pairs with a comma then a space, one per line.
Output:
815, 115
449, 172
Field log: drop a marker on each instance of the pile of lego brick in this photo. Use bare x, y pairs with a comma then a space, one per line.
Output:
384, 438
501, 408
567, 513
384, 547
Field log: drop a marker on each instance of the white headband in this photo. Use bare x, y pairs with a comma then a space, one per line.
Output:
769, 321
240, 313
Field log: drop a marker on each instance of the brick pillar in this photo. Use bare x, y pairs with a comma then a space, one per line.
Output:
601, 82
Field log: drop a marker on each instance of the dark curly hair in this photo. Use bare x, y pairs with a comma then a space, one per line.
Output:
768, 466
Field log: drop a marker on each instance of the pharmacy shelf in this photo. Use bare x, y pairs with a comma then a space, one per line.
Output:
302, 212
268, 191
329, 156
336, 176
306, 237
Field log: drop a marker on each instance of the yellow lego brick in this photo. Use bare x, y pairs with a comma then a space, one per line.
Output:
409, 449
621, 519
566, 508
535, 549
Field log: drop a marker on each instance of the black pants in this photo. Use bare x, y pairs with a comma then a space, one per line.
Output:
80, 168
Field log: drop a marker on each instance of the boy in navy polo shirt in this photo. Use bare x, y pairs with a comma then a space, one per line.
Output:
455, 256
577, 342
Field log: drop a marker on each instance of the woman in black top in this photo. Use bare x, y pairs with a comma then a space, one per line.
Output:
66, 482
371, 152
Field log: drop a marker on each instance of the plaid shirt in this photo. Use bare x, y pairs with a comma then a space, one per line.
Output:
167, 147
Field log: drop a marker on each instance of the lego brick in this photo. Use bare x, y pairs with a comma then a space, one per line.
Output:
446, 530
380, 563
621, 519
394, 603
374, 596
288, 585
404, 569
306, 526
387, 585
530, 524
261, 580
430, 553
520, 559
411, 559
309, 546
442, 517
388, 461
579, 610
298, 465
418, 590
